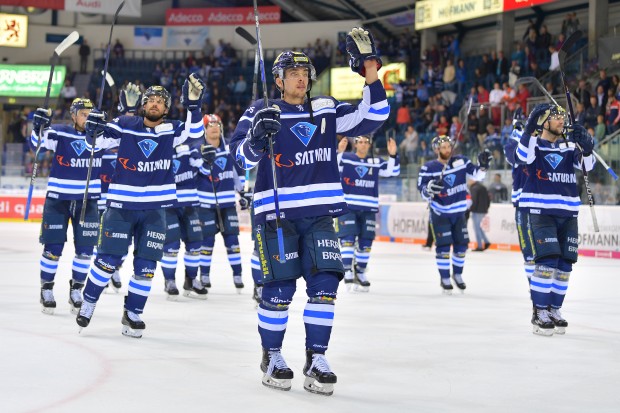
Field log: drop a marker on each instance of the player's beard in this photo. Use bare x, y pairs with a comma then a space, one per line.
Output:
445, 157
154, 117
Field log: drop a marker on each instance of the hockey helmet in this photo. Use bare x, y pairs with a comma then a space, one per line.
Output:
368, 137
212, 118
438, 140
79, 104
290, 59
157, 91
557, 112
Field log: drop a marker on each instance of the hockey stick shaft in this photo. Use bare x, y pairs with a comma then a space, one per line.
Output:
99, 102
471, 102
276, 203
68, 41
218, 211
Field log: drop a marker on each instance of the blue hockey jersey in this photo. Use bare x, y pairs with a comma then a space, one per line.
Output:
453, 197
305, 153
519, 171
226, 178
551, 188
144, 177
360, 179
108, 163
185, 163
69, 168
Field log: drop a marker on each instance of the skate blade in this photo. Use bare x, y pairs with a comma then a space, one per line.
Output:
560, 330
361, 289
545, 332
48, 310
75, 310
130, 332
172, 297
239, 290
191, 294
313, 386
278, 384
446, 292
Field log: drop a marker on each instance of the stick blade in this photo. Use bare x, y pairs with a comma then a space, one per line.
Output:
120, 7
68, 41
108, 78
246, 35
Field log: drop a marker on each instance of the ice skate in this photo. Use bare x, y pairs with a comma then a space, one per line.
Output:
75, 296
132, 325
238, 283
193, 288
360, 281
458, 280
542, 323
48, 304
171, 290
258, 293
446, 286
85, 314
348, 280
319, 376
277, 374
206, 281
558, 321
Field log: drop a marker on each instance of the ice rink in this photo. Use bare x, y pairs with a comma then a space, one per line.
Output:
402, 347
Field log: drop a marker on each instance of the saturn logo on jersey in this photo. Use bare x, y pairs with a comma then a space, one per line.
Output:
361, 170
305, 158
162, 164
147, 146
105, 178
175, 165
554, 159
78, 146
124, 162
304, 131
61, 162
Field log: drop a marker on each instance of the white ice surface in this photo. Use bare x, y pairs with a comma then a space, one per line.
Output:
402, 347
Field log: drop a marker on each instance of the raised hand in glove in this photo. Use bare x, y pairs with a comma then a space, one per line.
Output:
484, 159
129, 99
42, 119
434, 187
208, 153
581, 137
266, 123
95, 123
538, 116
246, 199
361, 47
193, 89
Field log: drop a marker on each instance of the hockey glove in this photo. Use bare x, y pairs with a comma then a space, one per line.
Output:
266, 123
129, 99
538, 116
434, 187
361, 47
95, 124
193, 89
484, 159
582, 138
246, 199
42, 119
208, 154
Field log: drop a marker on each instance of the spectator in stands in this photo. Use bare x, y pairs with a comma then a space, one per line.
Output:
592, 113
529, 57
582, 93
555, 58
461, 78
118, 50
498, 190
239, 89
484, 77
514, 73
472, 95
483, 95
471, 144
442, 125
580, 114
68, 92
615, 85
403, 118
601, 129
409, 145
501, 68
495, 99
493, 142
84, 53
560, 42
543, 41
449, 76
425, 153
603, 81
518, 55
455, 127
483, 122
480, 203
601, 96
531, 27
190, 60
208, 48
570, 24
612, 112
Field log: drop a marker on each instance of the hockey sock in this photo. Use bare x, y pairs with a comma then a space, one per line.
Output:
170, 259
362, 254
191, 259
347, 250
273, 318
138, 292
205, 255
49, 261
560, 283
458, 259
319, 311
80, 267
442, 256
99, 275
529, 270
540, 285
234, 253
257, 273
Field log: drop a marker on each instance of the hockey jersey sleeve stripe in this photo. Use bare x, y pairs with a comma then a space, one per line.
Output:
530, 199
361, 199
451, 209
382, 111
245, 157
526, 150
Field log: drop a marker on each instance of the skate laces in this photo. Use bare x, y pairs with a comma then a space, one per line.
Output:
348, 275
197, 285
76, 295
555, 313
361, 276
237, 279
543, 315
205, 279
133, 317
276, 361
457, 278
48, 295
320, 363
87, 309
170, 285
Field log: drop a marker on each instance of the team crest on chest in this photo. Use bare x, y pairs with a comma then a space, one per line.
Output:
221, 162
175, 165
113, 163
147, 146
554, 159
361, 170
449, 179
78, 146
304, 131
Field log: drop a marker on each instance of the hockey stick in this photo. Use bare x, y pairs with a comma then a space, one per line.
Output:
217, 204
68, 41
548, 95
456, 138
276, 202
100, 101
568, 44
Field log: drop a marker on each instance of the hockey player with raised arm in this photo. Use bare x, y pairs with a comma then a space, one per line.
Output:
551, 198
309, 194
443, 182
360, 172
63, 201
218, 180
142, 187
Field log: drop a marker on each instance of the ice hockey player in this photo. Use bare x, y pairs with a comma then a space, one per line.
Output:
142, 187
219, 177
309, 195
443, 182
359, 172
63, 202
551, 198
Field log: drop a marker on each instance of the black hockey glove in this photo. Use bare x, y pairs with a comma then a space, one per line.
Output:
246, 199
129, 99
434, 187
208, 154
95, 124
582, 138
266, 123
538, 116
361, 47
484, 159
42, 119
193, 89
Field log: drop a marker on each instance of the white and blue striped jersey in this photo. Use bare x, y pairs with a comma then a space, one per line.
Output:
360, 179
519, 171
108, 163
144, 177
453, 197
551, 187
305, 153
69, 167
185, 163
226, 179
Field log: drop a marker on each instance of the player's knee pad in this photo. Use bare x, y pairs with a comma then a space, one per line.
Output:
551, 261
278, 294
53, 251
442, 251
172, 254
543, 271
460, 250
322, 300
323, 284
364, 245
561, 275
193, 248
231, 241
84, 251
347, 242
108, 263
144, 269
208, 243
172, 248
565, 265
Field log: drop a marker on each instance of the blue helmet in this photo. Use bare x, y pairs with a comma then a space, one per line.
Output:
290, 59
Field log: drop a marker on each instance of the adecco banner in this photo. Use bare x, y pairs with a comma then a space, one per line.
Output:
521, 4
221, 16
13, 207
408, 222
30, 80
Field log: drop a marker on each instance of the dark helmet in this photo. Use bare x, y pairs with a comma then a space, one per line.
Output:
557, 111
79, 104
290, 59
157, 91
438, 140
